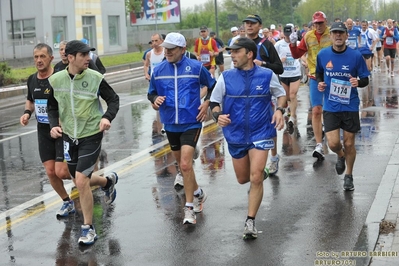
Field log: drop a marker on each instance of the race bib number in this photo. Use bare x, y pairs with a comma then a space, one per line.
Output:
289, 64
41, 111
389, 40
363, 40
352, 44
66, 151
340, 91
205, 58
266, 144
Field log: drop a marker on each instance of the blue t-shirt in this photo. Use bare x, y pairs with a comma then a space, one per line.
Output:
353, 40
339, 95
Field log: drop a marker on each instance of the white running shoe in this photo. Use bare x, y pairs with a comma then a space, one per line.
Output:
198, 201
189, 216
318, 152
178, 184
88, 236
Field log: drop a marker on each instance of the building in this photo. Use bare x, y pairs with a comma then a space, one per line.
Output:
101, 22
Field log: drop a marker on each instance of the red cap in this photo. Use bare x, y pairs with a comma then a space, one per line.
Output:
319, 16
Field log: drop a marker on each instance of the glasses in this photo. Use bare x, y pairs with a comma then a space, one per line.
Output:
203, 31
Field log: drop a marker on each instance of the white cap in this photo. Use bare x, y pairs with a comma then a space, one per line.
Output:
290, 24
234, 29
174, 39
272, 27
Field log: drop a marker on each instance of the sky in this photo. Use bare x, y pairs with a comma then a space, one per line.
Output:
189, 3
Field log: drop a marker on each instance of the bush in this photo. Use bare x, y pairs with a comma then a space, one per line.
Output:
5, 74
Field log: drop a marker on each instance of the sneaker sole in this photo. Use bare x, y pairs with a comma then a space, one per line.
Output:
88, 243
178, 186
188, 222
340, 172
65, 215
318, 155
249, 236
349, 189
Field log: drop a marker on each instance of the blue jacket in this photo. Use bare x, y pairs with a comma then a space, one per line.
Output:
181, 84
248, 101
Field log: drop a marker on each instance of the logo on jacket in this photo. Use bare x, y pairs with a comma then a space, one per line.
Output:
258, 87
47, 91
188, 68
344, 67
85, 84
329, 65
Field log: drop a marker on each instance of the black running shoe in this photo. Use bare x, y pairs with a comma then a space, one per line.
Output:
348, 183
340, 165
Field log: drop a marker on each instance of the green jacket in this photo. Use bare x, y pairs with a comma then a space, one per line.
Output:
78, 100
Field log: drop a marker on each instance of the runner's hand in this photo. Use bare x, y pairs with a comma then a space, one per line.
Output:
294, 37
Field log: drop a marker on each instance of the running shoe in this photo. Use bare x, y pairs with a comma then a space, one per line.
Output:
273, 165
250, 231
178, 184
199, 200
189, 216
348, 183
88, 236
110, 193
291, 124
67, 208
318, 152
340, 165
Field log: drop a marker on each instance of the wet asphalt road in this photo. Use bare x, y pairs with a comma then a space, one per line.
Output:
304, 209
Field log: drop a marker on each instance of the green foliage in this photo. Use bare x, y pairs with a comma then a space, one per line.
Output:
132, 5
5, 74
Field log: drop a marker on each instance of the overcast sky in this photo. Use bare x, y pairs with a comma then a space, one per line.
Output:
189, 3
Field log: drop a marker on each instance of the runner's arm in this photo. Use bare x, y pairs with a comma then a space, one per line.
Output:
111, 98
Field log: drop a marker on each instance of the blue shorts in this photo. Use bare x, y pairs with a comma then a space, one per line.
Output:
316, 97
238, 151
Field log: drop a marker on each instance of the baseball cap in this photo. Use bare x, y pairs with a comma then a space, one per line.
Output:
212, 33
244, 43
253, 18
319, 16
173, 40
272, 27
203, 28
338, 26
233, 29
77, 46
287, 30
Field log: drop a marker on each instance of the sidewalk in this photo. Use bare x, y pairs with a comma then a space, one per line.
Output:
386, 207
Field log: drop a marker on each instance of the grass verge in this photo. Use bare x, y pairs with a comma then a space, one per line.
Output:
22, 74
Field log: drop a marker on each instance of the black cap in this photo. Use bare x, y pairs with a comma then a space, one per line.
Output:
244, 43
203, 28
77, 46
338, 26
253, 18
212, 33
287, 30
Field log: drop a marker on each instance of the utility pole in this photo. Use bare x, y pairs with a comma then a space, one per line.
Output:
216, 18
12, 30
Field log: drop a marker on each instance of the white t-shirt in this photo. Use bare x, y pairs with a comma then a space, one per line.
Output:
292, 67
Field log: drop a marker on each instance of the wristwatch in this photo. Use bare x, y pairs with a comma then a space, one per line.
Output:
281, 109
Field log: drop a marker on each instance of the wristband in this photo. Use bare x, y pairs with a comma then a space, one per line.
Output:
215, 116
281, 109
29, 112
